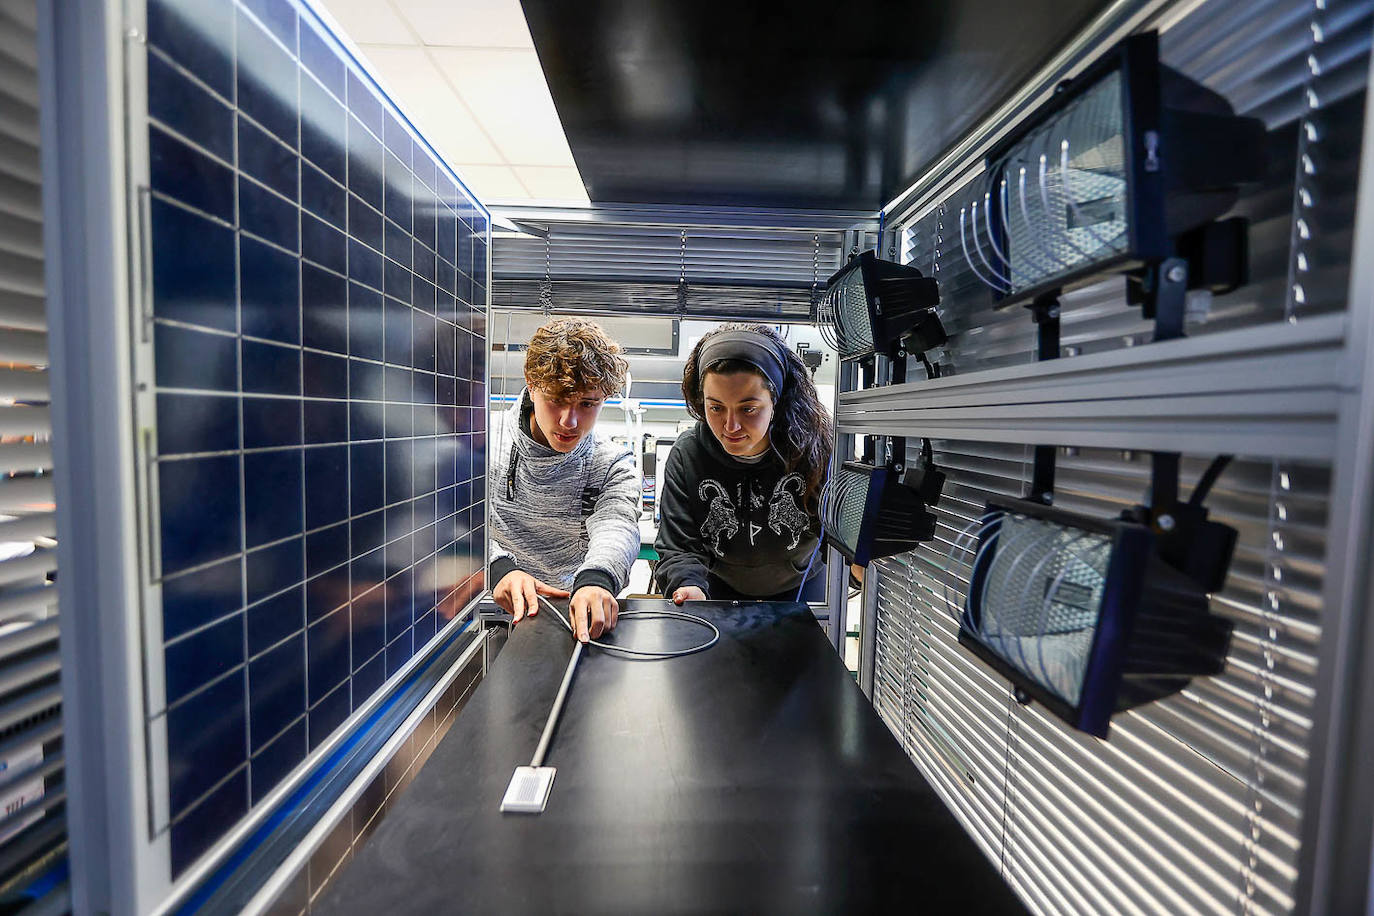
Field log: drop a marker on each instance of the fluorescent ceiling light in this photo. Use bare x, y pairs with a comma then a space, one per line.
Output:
494, 182
507, 93
469, 23
439, 112
468, 76
378, 23
558, 183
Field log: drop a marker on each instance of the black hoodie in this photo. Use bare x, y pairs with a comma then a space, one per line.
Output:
743, 523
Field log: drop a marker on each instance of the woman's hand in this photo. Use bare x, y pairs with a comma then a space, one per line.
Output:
688, 593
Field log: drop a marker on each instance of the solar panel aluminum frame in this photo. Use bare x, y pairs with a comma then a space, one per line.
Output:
901, 301
1132, 547
1136, 58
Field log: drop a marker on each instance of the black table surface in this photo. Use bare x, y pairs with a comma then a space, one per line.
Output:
754, 777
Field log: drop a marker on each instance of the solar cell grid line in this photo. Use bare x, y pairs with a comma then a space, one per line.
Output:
318, 316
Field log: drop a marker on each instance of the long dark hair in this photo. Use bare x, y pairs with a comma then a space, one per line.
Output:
801, 431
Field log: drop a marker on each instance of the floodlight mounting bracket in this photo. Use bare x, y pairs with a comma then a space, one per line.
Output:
1213, 257
1044, 310
1187, 540
1164, 289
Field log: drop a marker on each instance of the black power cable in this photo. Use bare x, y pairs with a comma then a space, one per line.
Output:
1208, 478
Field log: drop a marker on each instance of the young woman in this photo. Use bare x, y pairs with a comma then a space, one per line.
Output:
740, 492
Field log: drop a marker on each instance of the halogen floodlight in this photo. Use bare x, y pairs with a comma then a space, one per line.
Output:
1084, 615
1106, 176
870, 305
869, 513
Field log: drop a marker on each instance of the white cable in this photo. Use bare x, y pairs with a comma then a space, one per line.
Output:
557, 709
646, 615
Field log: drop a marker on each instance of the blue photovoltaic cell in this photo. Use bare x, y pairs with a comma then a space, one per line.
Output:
319, 356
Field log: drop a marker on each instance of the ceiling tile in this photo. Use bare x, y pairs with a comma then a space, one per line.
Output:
545, 183
506, 92
421, 89
471, 23
370, 21
493, 182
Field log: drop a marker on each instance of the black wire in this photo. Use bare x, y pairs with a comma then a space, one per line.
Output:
1208, 478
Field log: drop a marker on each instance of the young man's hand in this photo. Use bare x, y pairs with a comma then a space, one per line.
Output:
592, 611
518, 592
688, 593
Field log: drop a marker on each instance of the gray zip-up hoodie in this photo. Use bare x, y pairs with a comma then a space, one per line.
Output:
567, 519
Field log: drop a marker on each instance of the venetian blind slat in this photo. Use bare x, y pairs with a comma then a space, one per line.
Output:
30, 693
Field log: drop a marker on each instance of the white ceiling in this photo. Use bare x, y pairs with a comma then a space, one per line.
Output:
467, 74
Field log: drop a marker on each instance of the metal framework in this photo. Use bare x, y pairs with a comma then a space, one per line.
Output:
1335, 874
1300, 390
1270, 390
88, 280
639, 215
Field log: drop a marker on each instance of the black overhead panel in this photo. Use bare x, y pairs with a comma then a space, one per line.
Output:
804, 104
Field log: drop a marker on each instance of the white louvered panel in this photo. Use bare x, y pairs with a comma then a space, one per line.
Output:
609, 268
1218, 778
1161, 730
766, 303
1095, 851
1144, 836
1143, 841
1163, 816
30, 695
971, 741
891, 657
610, 252
1092, 847
963, 706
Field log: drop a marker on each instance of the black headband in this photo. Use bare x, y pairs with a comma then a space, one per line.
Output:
750, 347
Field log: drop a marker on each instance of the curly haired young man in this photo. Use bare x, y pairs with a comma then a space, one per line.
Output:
564, 502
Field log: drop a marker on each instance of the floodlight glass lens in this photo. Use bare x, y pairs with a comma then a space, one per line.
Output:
851, 497
1042, 598
1069, 208
851, 314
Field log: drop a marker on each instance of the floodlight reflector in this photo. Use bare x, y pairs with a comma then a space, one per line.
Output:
1084, 615
869, 513
870, 305
1106, 174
